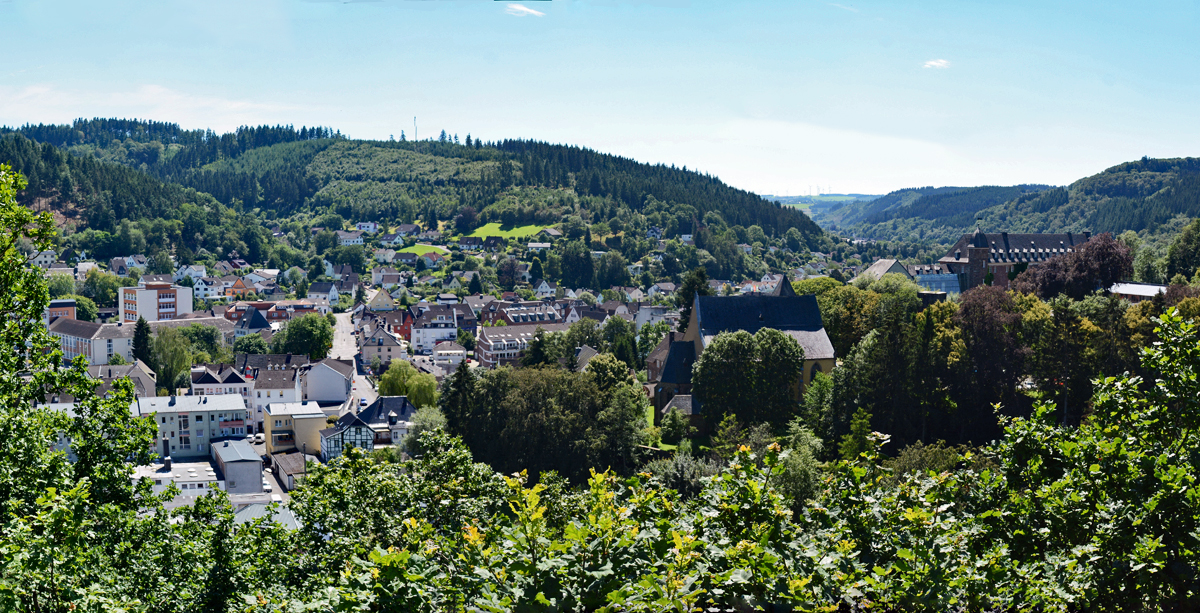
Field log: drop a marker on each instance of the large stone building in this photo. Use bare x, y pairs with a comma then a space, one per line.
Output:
996, 258
796, 316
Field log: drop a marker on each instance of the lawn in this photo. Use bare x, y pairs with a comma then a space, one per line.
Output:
493, 229
423, 249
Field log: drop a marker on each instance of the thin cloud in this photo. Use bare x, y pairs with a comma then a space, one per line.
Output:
520, 10
937, 64
844, 7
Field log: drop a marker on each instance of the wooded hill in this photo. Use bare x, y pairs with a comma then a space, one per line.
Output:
282, 170
1153, 197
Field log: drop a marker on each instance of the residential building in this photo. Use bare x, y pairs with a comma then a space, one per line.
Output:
293, 426
433, 259
472, 243
447, 299
503, 344
192, 478
349, 238
218, 379
370, 227
208, 288
537, 247
239, 288
449, 354
478, 302
437, 324
389, 419
517, 313
188, 425
407, 229
664, 288
381, 301
240, 466
325, 289
44, 259
383, 345
550, 233
348, 431
252, 323
385, 256
544, 289
155, 301
494, 244
405, 258
258, 510
328, 381
989, 257
465, 317
195, 272
60, 307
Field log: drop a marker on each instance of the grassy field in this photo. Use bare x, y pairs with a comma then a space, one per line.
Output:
493, 229
423, 249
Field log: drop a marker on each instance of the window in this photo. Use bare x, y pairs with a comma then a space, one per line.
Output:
276, 423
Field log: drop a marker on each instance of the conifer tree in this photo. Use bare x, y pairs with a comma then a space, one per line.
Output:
142, 346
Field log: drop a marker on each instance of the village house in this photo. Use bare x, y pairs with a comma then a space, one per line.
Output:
346, 239
504, 344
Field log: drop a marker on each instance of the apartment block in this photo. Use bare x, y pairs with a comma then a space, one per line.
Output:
155, 301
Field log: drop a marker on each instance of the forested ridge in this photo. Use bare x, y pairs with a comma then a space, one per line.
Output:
1151, 197
281, 170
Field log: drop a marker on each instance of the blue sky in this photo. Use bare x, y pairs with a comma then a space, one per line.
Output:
774, 97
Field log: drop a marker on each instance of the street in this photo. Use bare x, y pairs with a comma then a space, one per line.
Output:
345, 348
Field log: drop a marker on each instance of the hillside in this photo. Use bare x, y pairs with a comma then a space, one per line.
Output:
281, 171
1152, 197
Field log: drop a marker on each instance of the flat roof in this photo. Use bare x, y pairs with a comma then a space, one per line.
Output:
181, 472
308, 408
143, 406
235, 451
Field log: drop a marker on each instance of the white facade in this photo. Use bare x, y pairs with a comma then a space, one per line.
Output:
194, 272
431, 329
155, 301
369, 227
188, 424
324, 383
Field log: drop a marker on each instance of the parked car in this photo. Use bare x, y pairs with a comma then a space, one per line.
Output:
362, 402
266, 486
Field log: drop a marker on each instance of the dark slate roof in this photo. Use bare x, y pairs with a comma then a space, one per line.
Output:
320, 287
253, 321
242, 361
276, 379
349, 420
683, 402
75, 327
583, 355
377, 412
236, 451
678, 368
797, 316
1006, 247
752, 313
343, 367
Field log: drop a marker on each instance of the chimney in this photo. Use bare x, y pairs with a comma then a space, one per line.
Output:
167, 463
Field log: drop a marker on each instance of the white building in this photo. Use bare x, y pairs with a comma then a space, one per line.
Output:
369, 227
194, 272
98, 342
155, 301
328, 381
349, 238
439, 323
188, 425
192, 478
449, 355
43, 259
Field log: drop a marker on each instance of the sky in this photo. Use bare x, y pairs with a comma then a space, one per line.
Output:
784, 98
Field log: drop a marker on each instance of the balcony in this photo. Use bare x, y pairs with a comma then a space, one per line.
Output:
235, 423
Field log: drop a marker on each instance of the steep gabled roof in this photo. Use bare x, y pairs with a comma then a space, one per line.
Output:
797, 316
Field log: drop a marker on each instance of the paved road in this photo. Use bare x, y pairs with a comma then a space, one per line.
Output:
345, 348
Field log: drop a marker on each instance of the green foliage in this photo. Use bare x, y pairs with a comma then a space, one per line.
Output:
251, 343
755, 377
396, 379
675, 426
427, 419
857, 441
143, 344
85, 309
310, 335
172, 358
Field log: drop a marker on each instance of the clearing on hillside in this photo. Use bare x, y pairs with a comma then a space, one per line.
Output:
423, 249
493, 229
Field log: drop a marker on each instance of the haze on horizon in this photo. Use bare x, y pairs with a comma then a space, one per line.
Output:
776, 98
